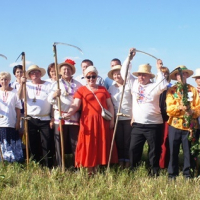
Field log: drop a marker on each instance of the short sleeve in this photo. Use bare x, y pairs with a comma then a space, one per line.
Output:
79, 93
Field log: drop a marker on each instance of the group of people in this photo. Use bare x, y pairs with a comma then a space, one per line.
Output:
151, 110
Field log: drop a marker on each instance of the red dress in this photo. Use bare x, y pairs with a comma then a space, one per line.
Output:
95, 136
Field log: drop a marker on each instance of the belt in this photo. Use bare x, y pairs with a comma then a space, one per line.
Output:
46, 115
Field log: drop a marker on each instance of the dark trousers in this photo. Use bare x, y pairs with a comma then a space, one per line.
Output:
139, 135
70, 137
40, 139
176, 137
122, 139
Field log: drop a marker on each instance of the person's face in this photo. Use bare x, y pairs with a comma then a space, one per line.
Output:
113, 63
144, 78
52, 73
185, 76
197, 80
66, 72
4, 82
18, 73
35, 74
117, 76
84, 66
91, 78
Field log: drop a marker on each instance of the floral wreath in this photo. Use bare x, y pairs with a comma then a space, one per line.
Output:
186, 98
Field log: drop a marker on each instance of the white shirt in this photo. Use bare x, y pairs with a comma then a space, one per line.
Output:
15, 85
41, 107
8, 102
66, 99
116, 93
145, 98
81, 79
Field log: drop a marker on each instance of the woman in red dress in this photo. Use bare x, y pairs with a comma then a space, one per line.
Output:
95, 133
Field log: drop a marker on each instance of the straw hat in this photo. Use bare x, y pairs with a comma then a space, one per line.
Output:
70, 63
35, 67
144, 69
116, 67
197, 73
90, 69
183, 68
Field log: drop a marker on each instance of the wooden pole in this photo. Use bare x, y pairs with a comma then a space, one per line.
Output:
25, 111
59, 109
119, 108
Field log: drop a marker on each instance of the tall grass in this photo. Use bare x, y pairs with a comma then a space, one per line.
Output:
16, 182
36, 182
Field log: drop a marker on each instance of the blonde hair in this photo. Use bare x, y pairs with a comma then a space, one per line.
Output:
5, 75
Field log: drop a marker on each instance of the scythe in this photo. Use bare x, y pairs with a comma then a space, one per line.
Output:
58, 99
119, 108
25, 108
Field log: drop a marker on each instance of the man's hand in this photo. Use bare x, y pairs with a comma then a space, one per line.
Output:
57, 93
132, 52
159, 64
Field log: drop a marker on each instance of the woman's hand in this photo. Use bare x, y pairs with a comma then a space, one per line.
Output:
112, 123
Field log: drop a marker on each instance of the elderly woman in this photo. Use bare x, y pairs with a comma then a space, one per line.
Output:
95, 133
68, 87
123, 132
10, 106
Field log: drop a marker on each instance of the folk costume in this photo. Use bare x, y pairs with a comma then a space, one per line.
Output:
71, 126
10, 142
39, 109
123, 132
182, 125
146, 114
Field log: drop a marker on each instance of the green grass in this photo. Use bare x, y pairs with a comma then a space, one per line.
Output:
18, 182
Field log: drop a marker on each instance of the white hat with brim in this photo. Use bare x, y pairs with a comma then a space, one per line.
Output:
144, 69
176, 71
67, 64
114, 68
90, 69
197, 73
35, 67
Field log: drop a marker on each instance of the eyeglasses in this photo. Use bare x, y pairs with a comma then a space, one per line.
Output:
89, 77
35, 72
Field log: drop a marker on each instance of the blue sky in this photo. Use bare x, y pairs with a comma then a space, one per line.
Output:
103, 30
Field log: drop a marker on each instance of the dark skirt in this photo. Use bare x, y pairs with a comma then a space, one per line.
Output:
11, 145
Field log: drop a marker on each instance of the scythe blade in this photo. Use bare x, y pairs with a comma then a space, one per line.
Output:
3, 56
56, 43
146, 54
21, 54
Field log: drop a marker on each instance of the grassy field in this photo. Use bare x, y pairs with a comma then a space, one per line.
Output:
16, 182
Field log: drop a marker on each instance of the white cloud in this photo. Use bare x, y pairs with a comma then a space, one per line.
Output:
20, 63
72, 58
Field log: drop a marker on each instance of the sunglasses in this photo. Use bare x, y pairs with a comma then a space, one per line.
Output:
89, 77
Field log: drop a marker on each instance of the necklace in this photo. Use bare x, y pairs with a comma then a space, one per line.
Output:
68, 87
37, 93
5, 96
